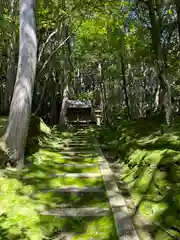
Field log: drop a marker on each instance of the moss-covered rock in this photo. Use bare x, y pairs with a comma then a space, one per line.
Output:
3, 121
37, 130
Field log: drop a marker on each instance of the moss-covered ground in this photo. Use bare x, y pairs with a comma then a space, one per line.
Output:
84, 228
24, 194
148, 174
148, 154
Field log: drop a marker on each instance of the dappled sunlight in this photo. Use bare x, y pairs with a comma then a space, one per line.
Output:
149, 170
39, 188
90, 149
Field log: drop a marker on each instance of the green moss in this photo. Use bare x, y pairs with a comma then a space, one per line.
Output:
81, 228
49, 156
3, 121
151, 167
54, 199
43, 181
37, 131
21, 199
18, 211
55, 168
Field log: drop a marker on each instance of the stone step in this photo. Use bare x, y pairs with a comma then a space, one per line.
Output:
81, 145
77, 175
74, 152
77, 212
75, 157
71, 154
75, 138
78, 165
124, 225
74, 189
81, 141
72, 197
80, 121
78, 146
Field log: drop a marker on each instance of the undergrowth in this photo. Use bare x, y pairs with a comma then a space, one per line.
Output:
19, 213
149, 154
25, 194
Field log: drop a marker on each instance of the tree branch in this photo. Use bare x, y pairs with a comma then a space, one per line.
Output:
55, 51
44, 45
52, 54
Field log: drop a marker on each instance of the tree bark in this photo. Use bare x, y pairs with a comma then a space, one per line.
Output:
41, 99
20, 110
67, 75
103, 95
11, 60
177, 3
125, 87
161, 66
64, 105
53, 99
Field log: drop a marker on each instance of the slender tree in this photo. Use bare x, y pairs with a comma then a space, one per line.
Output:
177, 2
11, 68
20, 110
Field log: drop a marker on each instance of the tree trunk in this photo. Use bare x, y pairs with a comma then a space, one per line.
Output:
41, 99
53, 99
161, 66
67, 75
103, 95
20, 110
177, 2
64, 105
125, 87
11, 60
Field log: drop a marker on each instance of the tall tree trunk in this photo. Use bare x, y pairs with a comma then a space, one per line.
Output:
125, 87
41, 99
161, 66
177, 2
11, 60
20, 110
67, 75
53, 99
103, 95
63, 112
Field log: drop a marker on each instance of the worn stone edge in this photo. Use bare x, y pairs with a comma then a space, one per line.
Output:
123, 222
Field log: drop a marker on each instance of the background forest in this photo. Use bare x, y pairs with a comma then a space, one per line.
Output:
123, 57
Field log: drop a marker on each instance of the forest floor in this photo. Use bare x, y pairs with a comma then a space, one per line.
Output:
61, 175
146, 163
147, 170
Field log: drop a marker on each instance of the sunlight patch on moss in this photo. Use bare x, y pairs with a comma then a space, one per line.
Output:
55, 168
54, 199
49, 156
44, 128
69, 181
150, 154
100, 229
81, 228
153, 210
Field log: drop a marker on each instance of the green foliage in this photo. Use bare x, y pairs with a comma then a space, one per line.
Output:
150, 167
19, 214
37, 131
22, 199
85, 96
3, 121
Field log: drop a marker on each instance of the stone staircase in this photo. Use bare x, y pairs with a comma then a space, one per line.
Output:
104, 199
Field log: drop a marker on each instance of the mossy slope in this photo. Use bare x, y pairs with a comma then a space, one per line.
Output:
149, 154
23, 193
